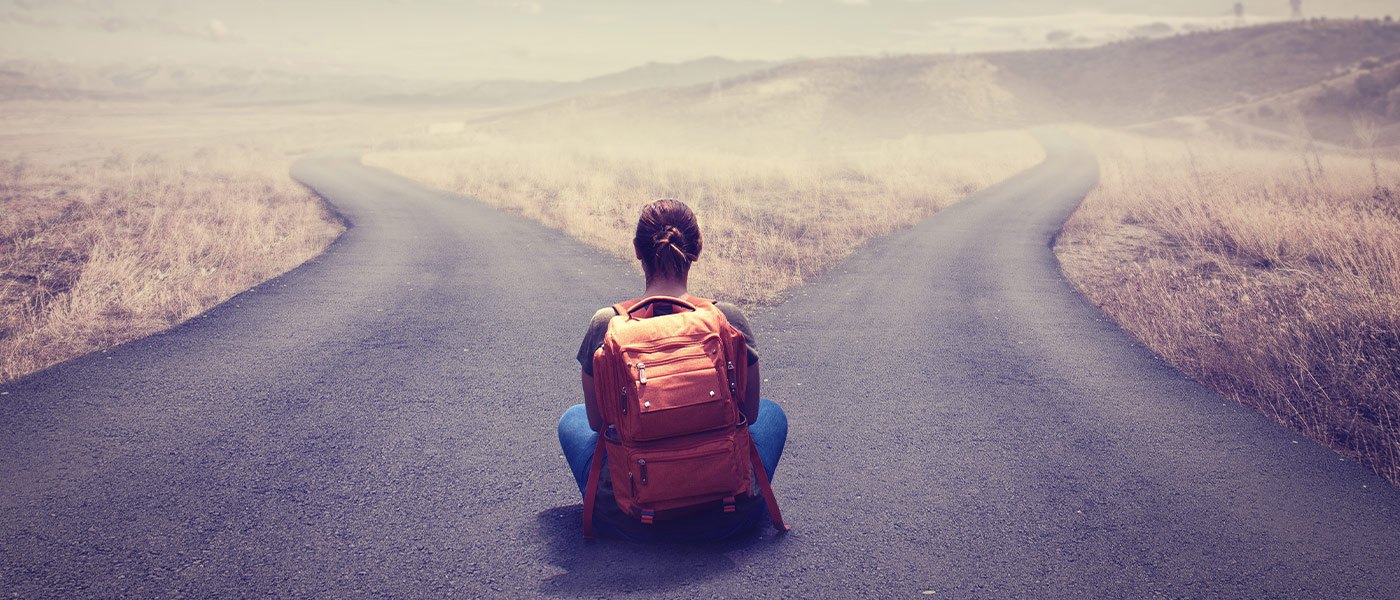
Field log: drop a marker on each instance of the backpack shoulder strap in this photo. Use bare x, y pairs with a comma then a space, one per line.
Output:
765, 486
595, 470
590, 494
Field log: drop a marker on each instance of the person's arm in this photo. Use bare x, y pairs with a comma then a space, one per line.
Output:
752, 387
751, 394
590, 403
591, 340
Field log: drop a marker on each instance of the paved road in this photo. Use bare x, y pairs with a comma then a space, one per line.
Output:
380, 422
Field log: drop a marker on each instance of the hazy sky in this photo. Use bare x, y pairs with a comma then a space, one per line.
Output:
558, 39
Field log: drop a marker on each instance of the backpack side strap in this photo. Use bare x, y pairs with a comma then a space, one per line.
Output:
763, 484
590, 494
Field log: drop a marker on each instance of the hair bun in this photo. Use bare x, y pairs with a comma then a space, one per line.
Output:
668, 238
668, 234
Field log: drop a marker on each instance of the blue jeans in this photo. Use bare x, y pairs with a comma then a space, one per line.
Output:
769, 433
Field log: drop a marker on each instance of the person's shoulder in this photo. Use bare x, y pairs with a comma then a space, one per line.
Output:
736, 317
601, 317
730, 310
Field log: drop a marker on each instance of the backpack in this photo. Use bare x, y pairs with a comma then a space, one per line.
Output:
668, 388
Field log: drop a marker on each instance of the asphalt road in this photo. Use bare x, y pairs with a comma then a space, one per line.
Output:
380, 423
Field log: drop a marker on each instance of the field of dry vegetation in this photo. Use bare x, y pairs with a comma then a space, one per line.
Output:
1271, 276
97, 252
773, 215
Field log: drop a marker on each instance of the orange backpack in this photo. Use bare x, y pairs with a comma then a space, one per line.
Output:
669, 387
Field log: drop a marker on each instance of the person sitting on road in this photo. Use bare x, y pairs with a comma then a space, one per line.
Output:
667, 241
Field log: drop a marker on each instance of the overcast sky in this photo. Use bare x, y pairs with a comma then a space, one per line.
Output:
559, 39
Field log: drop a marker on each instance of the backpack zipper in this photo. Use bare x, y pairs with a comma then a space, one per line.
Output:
677, 358
707, 449
666, 342
642, 366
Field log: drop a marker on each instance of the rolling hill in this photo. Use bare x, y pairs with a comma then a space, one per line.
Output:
1246, 78
849, 97
1124, 83
1148, 79
506, 93
1346, 109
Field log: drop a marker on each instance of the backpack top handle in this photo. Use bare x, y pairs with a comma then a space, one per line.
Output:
654, 299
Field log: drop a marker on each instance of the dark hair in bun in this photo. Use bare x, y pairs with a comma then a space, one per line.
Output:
668, 238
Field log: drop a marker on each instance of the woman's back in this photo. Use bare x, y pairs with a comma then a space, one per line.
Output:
667, 242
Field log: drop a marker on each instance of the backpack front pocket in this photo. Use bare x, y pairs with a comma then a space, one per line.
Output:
678, 475
679, 389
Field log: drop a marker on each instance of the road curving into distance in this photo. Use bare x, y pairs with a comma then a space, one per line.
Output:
380, 422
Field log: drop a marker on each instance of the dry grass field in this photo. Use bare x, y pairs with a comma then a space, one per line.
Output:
773, 216
119, 220
101, 252
1271, 276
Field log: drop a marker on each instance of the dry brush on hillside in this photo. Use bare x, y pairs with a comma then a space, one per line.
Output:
771, 218
1272, 277
99, 253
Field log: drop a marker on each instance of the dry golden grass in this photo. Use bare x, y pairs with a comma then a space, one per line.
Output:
1273, 277
100, 252
772, 216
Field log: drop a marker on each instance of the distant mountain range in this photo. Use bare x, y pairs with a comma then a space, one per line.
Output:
1327, 75
52, 80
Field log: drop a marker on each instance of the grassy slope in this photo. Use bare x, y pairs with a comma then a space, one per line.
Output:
1145, 80
1275, 283
98, 253
772, 218
1337, 110
789, 168
822, 101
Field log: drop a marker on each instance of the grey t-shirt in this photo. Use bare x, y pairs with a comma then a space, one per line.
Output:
598, 327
